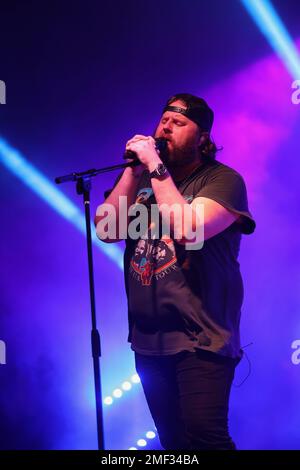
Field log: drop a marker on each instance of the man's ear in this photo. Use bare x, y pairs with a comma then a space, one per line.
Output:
203, 137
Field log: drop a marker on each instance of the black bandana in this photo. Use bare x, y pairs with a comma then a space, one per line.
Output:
202, 115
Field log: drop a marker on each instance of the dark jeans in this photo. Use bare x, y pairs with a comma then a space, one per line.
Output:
188, 394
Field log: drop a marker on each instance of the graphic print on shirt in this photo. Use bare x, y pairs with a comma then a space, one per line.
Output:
143, 195
152, 257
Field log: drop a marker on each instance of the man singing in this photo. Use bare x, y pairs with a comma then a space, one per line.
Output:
184, 304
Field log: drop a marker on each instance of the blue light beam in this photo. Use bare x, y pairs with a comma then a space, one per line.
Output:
45, 189
271, 25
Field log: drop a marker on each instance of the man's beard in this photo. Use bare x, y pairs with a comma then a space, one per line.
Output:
180, 157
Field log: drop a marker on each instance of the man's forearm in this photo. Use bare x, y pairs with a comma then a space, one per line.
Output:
126, 186
167, 195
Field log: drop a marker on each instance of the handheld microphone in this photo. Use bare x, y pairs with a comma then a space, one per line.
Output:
161, 144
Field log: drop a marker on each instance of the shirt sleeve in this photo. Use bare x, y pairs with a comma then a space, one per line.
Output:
228, 188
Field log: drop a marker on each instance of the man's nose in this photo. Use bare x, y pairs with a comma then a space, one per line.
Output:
167, 128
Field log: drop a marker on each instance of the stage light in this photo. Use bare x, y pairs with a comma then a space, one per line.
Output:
126, 386
108, 400
135, 379
142, 443
117, 393
271, 25
48, 191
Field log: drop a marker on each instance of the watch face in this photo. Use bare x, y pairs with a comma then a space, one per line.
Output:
161, 169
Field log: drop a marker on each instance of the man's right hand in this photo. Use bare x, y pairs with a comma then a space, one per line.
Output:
135, 171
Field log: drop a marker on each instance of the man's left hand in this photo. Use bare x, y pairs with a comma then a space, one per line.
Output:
144, 147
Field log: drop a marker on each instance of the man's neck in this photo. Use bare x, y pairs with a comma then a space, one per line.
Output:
180, 173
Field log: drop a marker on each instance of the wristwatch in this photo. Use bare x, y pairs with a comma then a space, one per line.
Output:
159, 172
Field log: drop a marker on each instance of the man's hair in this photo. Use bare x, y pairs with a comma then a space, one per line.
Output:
208, 148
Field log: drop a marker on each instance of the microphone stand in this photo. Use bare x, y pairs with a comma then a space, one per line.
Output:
83, 186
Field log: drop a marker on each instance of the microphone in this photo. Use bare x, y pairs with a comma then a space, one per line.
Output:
161, 144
